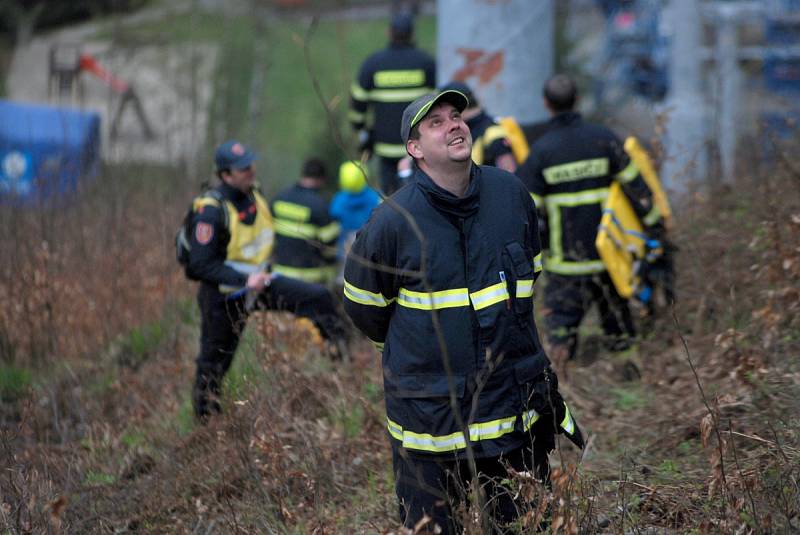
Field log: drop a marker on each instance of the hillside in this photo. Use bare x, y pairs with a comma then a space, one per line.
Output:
99, 335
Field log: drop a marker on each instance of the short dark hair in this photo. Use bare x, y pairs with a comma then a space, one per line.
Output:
314, 168
560, 92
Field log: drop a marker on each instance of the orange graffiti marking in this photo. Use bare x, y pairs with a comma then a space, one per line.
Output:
479, 63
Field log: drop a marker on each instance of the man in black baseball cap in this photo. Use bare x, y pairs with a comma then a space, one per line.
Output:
466, 382
231, 234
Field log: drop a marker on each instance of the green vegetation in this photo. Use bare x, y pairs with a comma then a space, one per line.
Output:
14, 382
287, 120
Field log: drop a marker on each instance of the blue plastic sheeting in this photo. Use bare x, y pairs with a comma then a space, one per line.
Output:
45, 150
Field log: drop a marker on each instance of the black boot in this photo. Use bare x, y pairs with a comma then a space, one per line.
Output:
205, 397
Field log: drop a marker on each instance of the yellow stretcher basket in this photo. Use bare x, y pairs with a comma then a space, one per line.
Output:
620, 241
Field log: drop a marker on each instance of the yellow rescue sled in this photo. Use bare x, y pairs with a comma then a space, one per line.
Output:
621, 241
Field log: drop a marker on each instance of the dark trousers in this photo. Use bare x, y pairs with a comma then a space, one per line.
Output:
436, 485
390, 182
568, 298
222, 322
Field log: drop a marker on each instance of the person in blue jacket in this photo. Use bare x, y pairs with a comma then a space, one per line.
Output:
353, 204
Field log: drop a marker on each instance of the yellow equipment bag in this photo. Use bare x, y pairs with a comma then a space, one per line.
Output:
621, 241
648, 172
519, 144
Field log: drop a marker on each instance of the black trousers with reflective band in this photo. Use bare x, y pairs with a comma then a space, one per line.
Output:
569, 298
223, 321
436, 486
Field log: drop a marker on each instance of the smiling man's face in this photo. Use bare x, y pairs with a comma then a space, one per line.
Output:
444, 138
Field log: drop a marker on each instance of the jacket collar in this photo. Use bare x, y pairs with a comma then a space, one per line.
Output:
446, 202
565, 118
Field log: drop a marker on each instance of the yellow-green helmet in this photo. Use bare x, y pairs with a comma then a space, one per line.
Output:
352, 177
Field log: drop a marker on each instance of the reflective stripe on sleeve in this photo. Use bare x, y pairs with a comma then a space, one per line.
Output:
364, 297
529, 418
329, 232
495, 293
358, 92
390, 150
652, 216
628, 174
537, 263
525, 288
567, 424
290, 210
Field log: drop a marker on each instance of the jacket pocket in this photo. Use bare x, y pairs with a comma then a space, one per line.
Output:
519, 265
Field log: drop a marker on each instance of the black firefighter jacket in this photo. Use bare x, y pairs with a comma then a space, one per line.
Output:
568, 173
471, 272
388, 81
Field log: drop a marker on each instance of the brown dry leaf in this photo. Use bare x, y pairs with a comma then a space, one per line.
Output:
56, 508
706, 428
558, 522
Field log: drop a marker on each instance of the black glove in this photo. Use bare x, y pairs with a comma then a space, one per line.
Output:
547, 401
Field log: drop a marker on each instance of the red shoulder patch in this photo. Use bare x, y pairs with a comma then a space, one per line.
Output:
203, 233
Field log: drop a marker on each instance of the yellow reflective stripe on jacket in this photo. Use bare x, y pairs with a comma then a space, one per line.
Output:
562, 267
569, 172
458, 297
537, 263
555, 261
364, 297
495, 293
588, 196
628, 174
397, 95
390, 150
356, 116
454, 441
529, 418
290, 210
293, 229
538, 200
200, 202
567, 424
652, 216
525, 288
358, 92
378, 345
404, 78
329, 232
308, 274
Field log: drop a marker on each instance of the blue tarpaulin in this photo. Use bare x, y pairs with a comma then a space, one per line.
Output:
45, 150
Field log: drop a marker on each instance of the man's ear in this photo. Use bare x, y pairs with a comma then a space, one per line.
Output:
413, 148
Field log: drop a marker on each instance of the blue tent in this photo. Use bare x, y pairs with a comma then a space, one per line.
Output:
45, 150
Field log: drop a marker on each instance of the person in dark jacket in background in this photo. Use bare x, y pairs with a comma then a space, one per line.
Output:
568, 173
441, 280
231, 238
305, 234
387, 82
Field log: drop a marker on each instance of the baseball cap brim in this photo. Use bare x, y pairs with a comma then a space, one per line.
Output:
246, 160
417, 110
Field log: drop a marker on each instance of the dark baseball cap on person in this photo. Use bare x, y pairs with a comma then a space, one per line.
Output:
402, 23
461, 87
417, 110
233, 155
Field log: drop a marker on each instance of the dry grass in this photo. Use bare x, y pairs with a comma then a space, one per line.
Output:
101, 439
